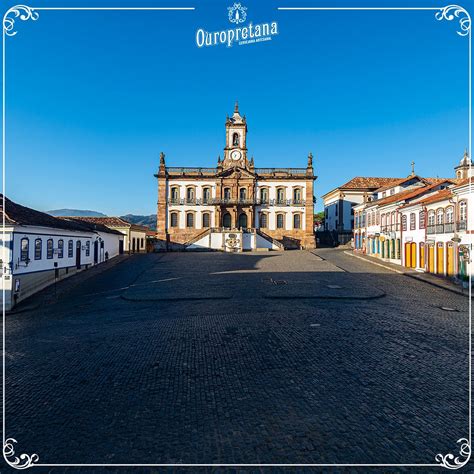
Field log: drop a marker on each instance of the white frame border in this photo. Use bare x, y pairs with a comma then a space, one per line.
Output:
24, 461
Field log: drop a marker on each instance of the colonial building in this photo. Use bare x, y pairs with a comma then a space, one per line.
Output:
134, 235
38, 249
257, 207
339, 203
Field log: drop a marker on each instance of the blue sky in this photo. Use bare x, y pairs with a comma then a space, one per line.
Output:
93, 97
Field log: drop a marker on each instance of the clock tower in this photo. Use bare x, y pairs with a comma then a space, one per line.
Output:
235, 151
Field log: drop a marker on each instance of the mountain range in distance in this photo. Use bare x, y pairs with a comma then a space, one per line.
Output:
149, 221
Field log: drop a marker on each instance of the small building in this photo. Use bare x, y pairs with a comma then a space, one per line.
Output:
134, 235
339, 203
38, 249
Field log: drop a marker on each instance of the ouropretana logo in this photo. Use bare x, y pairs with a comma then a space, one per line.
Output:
249, 34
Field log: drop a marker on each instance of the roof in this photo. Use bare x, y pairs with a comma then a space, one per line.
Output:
108, 222
409, 193
93, 226
364, 183
438, 196
21, 215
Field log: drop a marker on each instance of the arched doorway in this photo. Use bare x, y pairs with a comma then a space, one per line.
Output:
450, 259
413, 254
242, 221
226, 221
407, 255
431, 258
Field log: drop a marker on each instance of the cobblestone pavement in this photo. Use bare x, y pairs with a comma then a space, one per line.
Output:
296, 357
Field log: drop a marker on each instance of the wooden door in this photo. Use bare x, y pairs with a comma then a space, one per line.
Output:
431, 259
422, 255
440, 259
407, 255
450, 259
413, 255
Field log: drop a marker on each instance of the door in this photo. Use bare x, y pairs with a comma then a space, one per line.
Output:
440, 259
133, 244
450, 259
96, 252
243, 221
407, 255
413, 255
422, 255
431, 258
78, 254
120, 247
226, 221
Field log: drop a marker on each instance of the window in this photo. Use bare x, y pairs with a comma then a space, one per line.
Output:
226, 193
189, 194
384, 194
60, 248
463, 211
206, 220
174, 194
235, 139
206, 195
38, 249
242, 221
88, 248
404, 222
280, 221
25, 250
264, 195
422, 219
70, 249
439, 216
242, 194
189, 219
431, 218
297, 196
297, 221
263, 221
142, 243
392, 191
174, 219
412, 221
450, 215
49, 248
280, 195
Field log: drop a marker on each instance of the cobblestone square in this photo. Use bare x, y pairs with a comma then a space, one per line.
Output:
270, 357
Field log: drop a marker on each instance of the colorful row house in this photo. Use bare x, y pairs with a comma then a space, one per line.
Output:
420, 223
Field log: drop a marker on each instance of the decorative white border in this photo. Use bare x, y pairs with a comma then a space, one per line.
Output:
24, 461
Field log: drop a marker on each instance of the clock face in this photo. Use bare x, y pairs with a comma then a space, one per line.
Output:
235, 155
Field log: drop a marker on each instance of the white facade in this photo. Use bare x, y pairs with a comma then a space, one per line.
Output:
33, 257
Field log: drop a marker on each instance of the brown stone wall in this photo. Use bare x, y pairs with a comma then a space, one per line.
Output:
162, 209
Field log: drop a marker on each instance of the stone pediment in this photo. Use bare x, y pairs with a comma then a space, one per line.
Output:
235, 172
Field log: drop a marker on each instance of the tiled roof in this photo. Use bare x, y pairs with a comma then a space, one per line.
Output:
17, 214
109, 222
93, 226
409, 193
365, 182
438, 196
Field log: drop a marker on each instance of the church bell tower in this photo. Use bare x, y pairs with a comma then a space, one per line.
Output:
235, 151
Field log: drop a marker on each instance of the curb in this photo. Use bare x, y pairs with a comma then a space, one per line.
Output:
410, 275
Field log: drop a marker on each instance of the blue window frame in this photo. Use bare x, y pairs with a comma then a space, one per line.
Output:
38, 249
70, 249
49, 249
25, 249
60, 248
88, 248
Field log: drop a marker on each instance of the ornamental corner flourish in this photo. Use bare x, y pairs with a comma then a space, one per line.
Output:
451, 12
23, 461
23, 12
449, 461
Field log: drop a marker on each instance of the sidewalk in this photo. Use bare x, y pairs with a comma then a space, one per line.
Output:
52, 292
429, 278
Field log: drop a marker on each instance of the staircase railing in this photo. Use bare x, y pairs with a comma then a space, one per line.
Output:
271, 239
198, 237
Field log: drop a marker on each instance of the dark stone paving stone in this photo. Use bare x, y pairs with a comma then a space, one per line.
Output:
95, 378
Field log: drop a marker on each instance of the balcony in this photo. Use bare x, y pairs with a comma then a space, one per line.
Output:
461, 225
232, 201
431, 229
